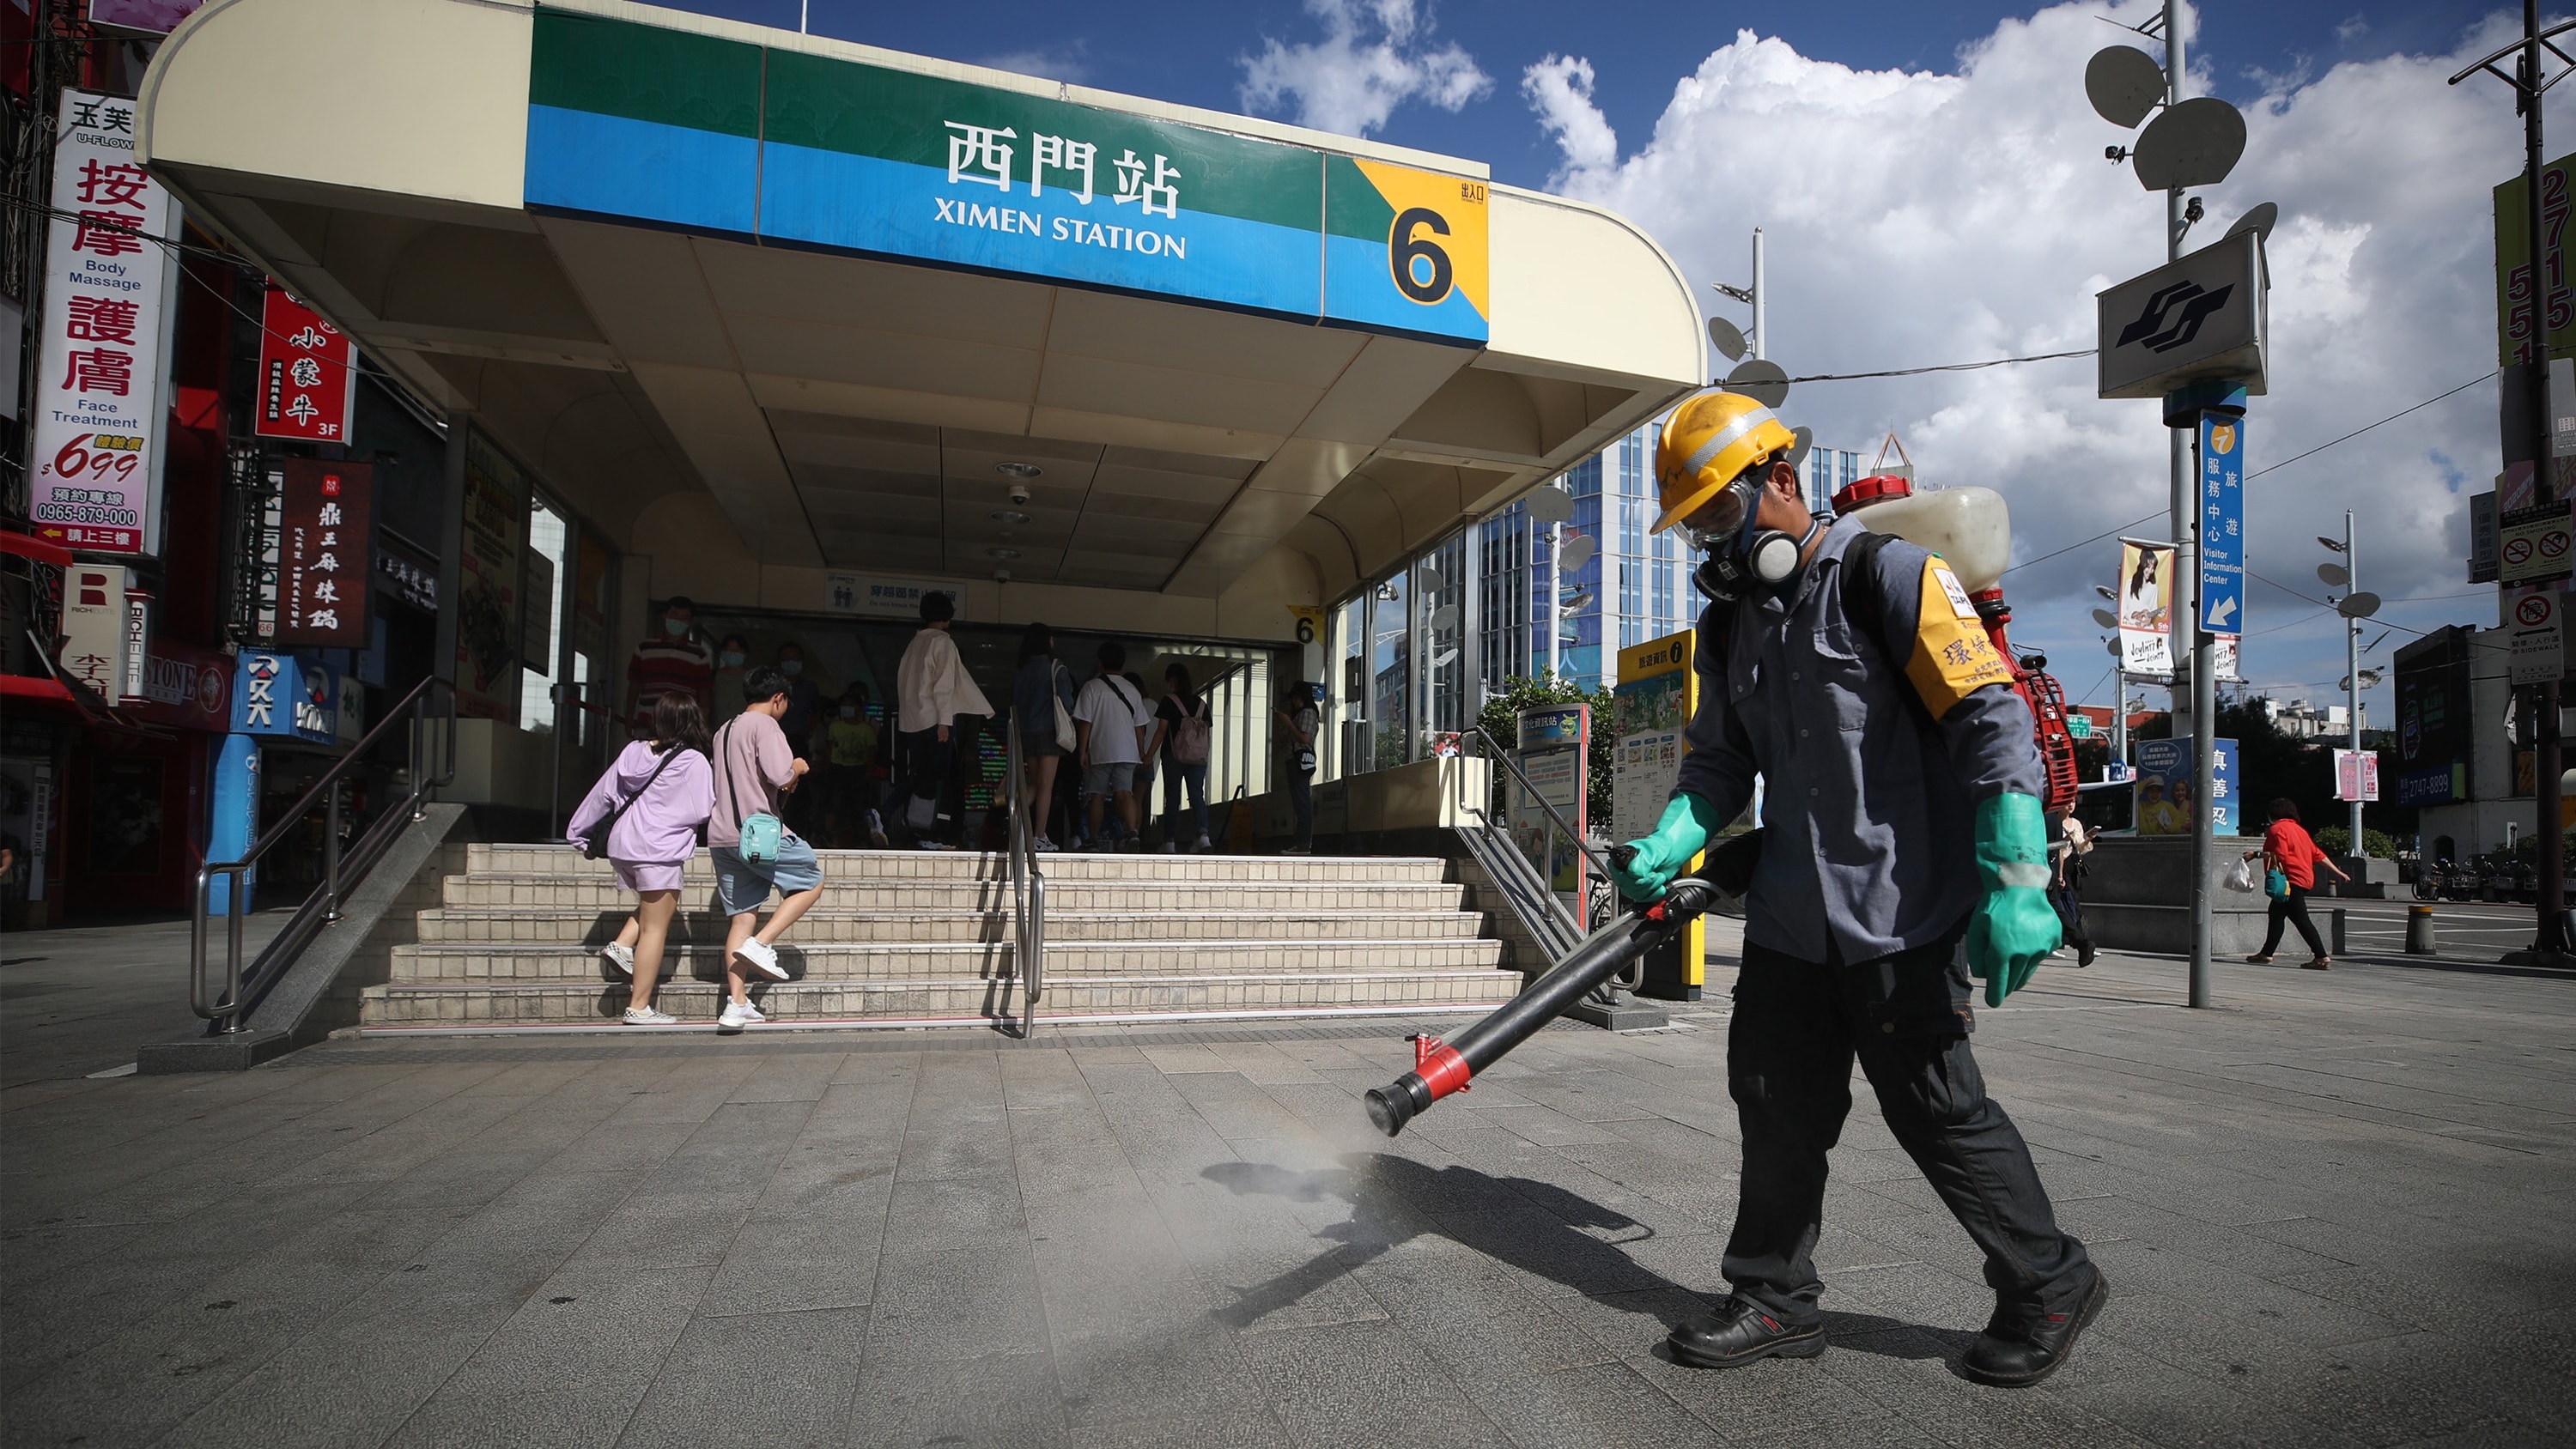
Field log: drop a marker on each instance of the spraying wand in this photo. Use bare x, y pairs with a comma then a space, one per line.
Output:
1440, 1068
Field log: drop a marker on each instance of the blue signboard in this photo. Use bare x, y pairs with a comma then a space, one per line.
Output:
2164, 787
2222, 523
283, 695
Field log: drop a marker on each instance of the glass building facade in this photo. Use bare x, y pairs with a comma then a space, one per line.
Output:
1477, 608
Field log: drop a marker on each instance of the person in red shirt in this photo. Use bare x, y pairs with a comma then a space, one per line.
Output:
2287, 849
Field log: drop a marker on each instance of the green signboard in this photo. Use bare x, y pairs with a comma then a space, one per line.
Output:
669, 128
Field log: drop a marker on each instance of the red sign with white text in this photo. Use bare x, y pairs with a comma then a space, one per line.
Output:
307, 371
323, 544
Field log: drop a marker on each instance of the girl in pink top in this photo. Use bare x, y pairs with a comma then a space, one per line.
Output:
673, 788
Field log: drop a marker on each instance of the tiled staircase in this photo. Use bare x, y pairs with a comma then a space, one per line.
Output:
924, 939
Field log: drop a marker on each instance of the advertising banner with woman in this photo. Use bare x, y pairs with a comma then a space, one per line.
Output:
2146, 607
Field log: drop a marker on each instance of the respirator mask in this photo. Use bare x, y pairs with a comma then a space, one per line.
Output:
1743, 555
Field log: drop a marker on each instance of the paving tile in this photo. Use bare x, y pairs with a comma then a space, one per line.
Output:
761, 1380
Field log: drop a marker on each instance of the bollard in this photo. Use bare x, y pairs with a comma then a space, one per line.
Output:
2334, 932
2419, 930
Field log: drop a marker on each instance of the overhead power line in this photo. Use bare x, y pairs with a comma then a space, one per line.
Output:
1942, 367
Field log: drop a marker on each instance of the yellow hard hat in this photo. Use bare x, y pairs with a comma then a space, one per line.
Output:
1706, 442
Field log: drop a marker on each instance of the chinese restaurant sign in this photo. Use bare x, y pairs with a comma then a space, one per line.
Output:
307, 387
323, 542
630, 122
98, 389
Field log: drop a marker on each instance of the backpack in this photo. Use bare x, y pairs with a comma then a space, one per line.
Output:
1190, 736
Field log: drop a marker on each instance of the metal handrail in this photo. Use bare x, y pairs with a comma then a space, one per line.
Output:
1028, 898
1492, 748
244, 988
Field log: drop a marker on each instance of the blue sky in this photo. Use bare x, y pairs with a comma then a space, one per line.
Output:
1190, 53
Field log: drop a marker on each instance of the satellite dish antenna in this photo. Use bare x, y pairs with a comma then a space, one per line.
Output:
2257, 220
1727, 338
1578, 552
2106, 618
1806, 439
1550, 505
2195, 143
1444, 617
2358, 606
2333, 576
2123, 83
1444, 658
1426, 579
1578, 603
1761, 380
2111, 647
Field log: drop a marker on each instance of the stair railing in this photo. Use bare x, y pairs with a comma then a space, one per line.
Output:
1028, 893
431, 703
1524, 886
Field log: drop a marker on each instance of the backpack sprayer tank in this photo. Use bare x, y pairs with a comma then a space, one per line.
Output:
1971, 530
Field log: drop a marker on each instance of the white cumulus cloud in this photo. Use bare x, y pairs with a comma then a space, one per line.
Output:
1376, 55
1559, 88
1915, 218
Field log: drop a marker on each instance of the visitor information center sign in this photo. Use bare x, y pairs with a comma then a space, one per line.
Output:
634, 123
98, 414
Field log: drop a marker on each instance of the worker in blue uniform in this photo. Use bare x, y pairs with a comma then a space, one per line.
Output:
1901, 824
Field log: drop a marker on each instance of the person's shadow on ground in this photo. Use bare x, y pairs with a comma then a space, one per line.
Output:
1537, 1227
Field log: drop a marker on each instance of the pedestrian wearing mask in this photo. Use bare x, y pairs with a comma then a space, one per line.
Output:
732, 657
1850, 672
1184, 738
1110, 717
1296, 724
850, 740
933, 692
669, 661
652, 802
1040, 691
753, 851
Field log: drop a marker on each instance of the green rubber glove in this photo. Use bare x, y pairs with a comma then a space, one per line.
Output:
1688, 822
2014, 927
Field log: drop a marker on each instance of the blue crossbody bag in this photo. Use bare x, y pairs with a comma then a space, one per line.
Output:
760, 834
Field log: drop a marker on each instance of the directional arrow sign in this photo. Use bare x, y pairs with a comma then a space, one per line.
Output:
2222, 520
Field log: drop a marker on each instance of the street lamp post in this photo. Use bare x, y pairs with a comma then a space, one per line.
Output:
2549, 943
2352, 683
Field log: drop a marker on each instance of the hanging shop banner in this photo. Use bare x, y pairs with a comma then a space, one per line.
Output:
2533, 545
2222, 523
688, 131
2518, 305
97, 419
487, 601
324, 535
2356, 774
94, 627
2146, 607
307, 374
2483, 542
2163, 787
2224, 657
280, 694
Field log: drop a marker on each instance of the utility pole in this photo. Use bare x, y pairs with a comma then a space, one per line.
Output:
1761, 335
1555, 596
2550, 942
2352, 681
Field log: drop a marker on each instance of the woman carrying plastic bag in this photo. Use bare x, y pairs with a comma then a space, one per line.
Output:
644, 814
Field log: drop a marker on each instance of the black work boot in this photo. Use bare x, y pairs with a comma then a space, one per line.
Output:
1741, 1331
2024, 1344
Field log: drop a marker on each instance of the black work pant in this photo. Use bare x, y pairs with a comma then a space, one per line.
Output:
1798, 1025
2070, 914
2293, 909
930, 774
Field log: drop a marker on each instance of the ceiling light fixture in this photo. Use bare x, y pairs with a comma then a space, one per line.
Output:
1006, 516
1018, 470
1001, 553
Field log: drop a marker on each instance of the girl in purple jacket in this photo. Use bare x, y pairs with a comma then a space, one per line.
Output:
654, 839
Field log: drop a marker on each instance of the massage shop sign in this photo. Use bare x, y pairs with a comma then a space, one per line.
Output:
98, 412
817, 152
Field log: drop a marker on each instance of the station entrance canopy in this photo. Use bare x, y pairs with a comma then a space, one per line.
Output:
762, 304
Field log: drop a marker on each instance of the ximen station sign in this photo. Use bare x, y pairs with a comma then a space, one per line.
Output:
633, 123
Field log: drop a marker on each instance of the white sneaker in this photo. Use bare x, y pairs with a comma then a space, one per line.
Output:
620, 956
739, 1014
1205, 845
1170, 847
647, 1016
1042, 845
935, 845
758, 953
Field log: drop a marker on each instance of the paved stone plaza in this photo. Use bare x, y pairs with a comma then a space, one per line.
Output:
2332, 1212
